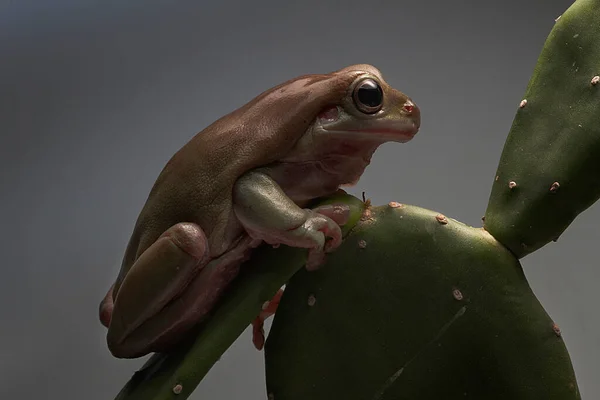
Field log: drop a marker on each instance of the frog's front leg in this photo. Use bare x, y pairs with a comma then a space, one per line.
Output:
153, 304
267, 213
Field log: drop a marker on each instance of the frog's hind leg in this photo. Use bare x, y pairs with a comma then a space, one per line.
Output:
150, 306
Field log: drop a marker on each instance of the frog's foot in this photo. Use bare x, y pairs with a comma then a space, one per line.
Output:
319, 232
258, 331
339, 214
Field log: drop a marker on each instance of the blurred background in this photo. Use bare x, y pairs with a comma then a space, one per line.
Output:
95, 97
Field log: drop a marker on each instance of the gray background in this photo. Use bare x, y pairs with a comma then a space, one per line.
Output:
97, 95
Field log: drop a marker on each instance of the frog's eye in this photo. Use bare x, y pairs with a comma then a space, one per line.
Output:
368, 96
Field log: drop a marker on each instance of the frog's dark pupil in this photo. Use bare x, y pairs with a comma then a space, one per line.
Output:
370, 94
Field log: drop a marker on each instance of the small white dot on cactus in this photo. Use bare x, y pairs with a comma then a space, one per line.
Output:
557, 18
457, 294
276, 245
395, 204
512, 184
497, 177
554, 187
312, 300
441, 218
177, 388
362, 243
523, 103
575, 36
595, 80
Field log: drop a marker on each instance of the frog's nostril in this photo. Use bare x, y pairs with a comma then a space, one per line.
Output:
408, 107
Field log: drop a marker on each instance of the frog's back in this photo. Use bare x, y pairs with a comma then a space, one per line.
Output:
196, 184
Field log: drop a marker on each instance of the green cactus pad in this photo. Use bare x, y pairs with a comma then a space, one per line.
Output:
549, 168
415, 305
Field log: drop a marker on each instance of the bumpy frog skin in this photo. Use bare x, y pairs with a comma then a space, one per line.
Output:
244, 180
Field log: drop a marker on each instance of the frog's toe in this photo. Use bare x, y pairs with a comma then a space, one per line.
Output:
339, 213
316, 258
258, 333
106, 307
269, 309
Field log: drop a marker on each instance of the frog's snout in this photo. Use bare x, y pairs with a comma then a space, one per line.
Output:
413, 112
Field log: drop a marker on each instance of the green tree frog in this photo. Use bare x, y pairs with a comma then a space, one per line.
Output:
245, 180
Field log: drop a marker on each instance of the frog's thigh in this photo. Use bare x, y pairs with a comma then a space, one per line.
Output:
160, 275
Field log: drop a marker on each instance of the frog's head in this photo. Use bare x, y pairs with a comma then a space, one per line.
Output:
370, 109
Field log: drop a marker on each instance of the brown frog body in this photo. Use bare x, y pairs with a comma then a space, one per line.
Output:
244, 180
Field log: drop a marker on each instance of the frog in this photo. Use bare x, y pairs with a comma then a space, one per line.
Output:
244, 181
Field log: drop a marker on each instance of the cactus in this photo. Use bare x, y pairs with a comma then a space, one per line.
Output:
418, 305
547, 171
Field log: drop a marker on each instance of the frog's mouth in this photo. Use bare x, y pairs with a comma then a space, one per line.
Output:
400, 129
400, 134
397, 133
